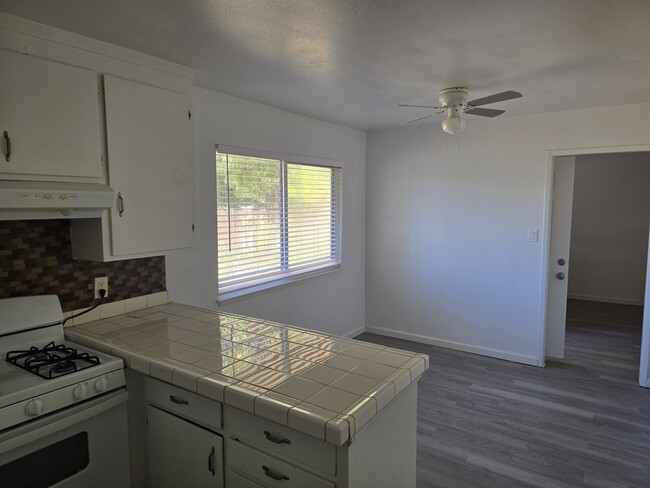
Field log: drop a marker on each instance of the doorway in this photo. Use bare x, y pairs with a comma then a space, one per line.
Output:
597, 248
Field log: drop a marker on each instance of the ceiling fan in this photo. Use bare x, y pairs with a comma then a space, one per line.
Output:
455, 102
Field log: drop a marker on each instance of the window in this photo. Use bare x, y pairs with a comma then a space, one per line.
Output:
278, 219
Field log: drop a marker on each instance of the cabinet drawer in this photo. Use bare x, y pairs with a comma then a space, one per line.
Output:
277, 439
184, 403
237, 481
269, 470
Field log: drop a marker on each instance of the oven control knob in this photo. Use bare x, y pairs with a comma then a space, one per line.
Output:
34, 408
80, 392
101, 385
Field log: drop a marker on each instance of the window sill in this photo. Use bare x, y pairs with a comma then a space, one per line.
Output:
271, 285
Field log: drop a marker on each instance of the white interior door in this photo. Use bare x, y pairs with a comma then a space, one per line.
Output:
644, 370
558, 269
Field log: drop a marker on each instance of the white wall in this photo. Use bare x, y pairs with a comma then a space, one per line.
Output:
609, 235
333, 302
448, 261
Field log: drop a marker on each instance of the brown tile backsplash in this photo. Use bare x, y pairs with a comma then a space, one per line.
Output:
36, 259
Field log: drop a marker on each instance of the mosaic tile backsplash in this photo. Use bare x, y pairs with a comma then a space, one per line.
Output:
36, 259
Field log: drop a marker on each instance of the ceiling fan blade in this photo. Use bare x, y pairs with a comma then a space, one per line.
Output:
497, 97
415, 120
417, 106
484, 112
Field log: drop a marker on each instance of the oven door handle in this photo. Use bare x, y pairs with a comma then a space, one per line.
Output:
103, 404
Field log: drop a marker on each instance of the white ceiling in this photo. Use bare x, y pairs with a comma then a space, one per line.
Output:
352, 61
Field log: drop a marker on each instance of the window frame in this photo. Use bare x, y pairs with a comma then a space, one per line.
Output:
266, 283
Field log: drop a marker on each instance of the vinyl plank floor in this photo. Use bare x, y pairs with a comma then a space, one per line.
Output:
580, 422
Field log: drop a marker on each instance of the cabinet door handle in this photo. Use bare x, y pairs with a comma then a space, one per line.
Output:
178, 401
211, 466
269, 472
7, 146
277, 440
120, 204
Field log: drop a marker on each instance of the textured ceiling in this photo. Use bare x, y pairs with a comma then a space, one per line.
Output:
351, 62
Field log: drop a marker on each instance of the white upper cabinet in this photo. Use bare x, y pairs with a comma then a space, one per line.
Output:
150, 167
49, 119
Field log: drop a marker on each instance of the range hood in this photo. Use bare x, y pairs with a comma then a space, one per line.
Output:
30, 200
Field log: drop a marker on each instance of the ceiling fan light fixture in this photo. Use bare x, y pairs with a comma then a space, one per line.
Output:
453, 125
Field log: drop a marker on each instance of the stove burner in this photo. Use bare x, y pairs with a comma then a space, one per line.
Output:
52, 360
64, 366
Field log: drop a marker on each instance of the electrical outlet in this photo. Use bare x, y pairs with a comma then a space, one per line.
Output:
101, 284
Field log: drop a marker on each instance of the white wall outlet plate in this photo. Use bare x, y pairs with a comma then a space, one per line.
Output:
101, 283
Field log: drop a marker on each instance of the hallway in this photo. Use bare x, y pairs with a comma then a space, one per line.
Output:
605, 338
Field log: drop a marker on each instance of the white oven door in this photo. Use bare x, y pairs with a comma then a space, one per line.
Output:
81, 446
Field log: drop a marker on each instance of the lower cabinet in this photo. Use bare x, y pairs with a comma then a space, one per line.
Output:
270, 470
196, 442
182, 453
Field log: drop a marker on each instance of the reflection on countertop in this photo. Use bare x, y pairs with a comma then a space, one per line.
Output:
326, 386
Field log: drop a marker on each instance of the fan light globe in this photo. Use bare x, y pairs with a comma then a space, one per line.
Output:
453, 125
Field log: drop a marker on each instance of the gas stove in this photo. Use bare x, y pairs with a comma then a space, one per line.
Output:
41, 372
51, 361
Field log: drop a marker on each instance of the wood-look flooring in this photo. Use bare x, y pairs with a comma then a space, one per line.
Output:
580, 422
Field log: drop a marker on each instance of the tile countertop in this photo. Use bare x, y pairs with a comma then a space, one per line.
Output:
325, 386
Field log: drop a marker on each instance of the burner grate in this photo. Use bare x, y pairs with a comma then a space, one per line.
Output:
51, 361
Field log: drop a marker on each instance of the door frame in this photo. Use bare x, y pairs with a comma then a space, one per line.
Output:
644, 367
551, 154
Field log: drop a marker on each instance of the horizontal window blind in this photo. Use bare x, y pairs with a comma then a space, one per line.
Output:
276, 220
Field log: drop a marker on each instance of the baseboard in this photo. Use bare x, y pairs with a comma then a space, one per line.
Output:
458, 346
355, 332
595, 298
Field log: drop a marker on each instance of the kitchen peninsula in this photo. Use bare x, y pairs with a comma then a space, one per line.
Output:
277, 405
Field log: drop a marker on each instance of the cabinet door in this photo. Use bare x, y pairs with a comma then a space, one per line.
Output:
182, 454
50, 113
150, 167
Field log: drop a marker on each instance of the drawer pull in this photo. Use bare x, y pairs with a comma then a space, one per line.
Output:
277, 440
211, 467
120, 204
275, 476
7, 146
178, 401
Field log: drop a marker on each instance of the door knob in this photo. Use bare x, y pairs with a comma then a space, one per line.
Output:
560, 276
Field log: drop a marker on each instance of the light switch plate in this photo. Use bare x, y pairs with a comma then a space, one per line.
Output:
533, 235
